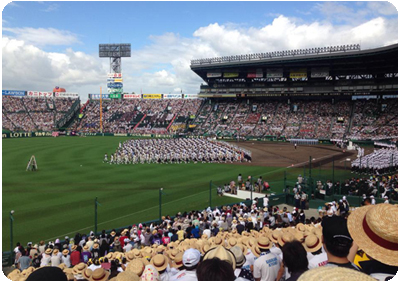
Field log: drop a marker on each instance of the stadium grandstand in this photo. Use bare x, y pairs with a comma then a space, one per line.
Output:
338, 101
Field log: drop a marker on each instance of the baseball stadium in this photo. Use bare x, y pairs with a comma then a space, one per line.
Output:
313, 130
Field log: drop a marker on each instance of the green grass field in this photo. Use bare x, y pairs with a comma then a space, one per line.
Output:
58, 199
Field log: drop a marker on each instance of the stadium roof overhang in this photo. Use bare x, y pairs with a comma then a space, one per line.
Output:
376, 61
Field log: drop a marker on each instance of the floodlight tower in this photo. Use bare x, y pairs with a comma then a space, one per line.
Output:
114, 79
115, 52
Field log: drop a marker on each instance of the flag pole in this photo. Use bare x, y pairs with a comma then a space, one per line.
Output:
101, 112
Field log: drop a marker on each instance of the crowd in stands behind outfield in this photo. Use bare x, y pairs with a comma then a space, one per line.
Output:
239, 242
341, 119
33, 114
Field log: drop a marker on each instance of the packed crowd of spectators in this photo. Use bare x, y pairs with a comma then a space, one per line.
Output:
239, 242
136, 116
33, 114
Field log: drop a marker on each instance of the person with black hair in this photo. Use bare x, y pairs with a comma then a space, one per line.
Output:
295, 259
215, 270
337, 241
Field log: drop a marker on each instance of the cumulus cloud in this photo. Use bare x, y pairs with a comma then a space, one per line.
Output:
163, 66
42, 36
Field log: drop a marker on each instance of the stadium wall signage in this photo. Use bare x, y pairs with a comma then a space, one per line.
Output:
298, 73
319, 72
274, 73
26, 134
13, 93
115, 75
152, 96
172, 96
132, 96
39, 94
65, 95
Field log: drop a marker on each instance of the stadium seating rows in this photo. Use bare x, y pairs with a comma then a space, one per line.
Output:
361, 119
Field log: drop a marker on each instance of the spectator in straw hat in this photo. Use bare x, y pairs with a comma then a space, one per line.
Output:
337, 241
86, 254
313, 245
267, 265
75, 255
55, 258
295, 259
127, 276
66, 259
215, 269
160, 262
46, 257
78, 269
329, 273
374, 229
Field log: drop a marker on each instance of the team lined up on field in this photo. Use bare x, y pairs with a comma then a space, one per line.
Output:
177, 151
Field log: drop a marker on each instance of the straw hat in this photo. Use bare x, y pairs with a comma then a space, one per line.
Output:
14, 274
87, 273
113, 233
301, 227
127, 276
160, 262
218, 241
48, 251
79, 268
312, 243
285, 237
329, 273
264, 243
204, 249
375, 230
55, 251
275, 235
86, 248
99, 274
136, 253
65, 252
129, 256
96, 245
256, 251
62, 266
73, 248
178, 261
232, 242
172, 254
222, 253
136, 266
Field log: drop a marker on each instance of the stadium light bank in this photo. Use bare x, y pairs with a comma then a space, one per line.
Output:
278, 54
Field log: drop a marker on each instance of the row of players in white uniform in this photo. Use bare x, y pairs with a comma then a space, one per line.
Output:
176, 151
379, 159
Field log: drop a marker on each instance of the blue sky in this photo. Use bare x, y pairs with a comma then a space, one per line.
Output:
61, 38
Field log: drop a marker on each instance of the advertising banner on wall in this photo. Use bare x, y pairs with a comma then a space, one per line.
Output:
19, 93
172, 96
230, 74
274, 73
40, 94
132, 96
65, 95
114, 85
298, 73
97, 96
190, 96
115, 75
115, 96
255, 73
213, 74
319, 72
152, 96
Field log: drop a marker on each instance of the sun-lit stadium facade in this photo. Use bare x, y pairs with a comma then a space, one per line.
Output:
337, 71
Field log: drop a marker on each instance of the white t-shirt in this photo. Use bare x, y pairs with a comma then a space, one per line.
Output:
267, 266
318, 261
266, 200
185, 275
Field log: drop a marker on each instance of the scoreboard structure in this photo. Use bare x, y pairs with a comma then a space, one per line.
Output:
115, 52
345, 70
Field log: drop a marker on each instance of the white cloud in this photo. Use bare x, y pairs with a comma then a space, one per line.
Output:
164, 65
42, 36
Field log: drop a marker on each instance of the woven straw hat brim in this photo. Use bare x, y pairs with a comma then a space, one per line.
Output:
315, 248
328, 273
364, 242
